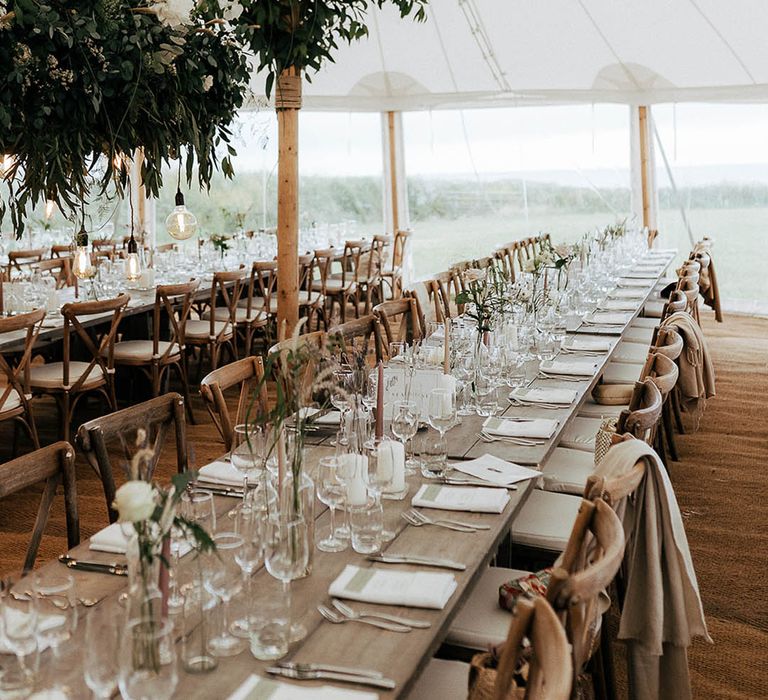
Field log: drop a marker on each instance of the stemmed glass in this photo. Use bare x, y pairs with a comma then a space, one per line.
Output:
405, 424
100, 655
331, 491
340, 399
175, 597
147, 660
197, 506
251, 526
441, 413
248, 454
286, 559
223, 577
57, 606
18, 624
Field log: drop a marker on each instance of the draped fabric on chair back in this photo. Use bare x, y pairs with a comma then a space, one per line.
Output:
141, 428
248, 374
643, 413
54, 465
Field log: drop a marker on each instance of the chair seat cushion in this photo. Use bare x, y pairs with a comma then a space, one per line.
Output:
567, 470
580, 433
653, 309
141, 350
13, 400
639, 335
442, 679
631, 353
641, 322
221, 313
334, 286
200, 330
51, 375
621, 373
591, 409
546, 520
481, 622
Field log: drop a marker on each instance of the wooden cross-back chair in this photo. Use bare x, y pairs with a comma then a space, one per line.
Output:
211, 334
400, 321
318, 342
19, 258
505, 257
143, 427
311, 302
63, 250
261, 296
690, 287
69, 380
392, 274
15, 395
54, 465
60, 269
708, 281
368, 277
166, 348
339, 290
248, 374
643, 413
357, 335
589, 564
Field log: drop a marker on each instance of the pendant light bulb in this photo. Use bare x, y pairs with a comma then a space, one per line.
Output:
132, 260
181, 223
82, 267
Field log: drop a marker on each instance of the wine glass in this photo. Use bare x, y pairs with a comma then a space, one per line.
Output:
331, 491
175, 597
57, 622
100, 655
286, 559
18, 628
441, 413
341, 398
405, 424
223, 577
248, 453
197, 506
147, 660
251, 525
369, 396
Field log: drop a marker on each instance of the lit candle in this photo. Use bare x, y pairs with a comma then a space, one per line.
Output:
357, 491
447, 348
391, 457
380, 402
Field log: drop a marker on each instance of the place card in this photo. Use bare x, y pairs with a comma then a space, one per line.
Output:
495, 470
400, 384
258, 688
536, 428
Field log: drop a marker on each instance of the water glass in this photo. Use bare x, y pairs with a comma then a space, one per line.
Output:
100, 654
405, 424
198, 605
57, 605
249, 453
330, 490
441, 412
252, 527
269, 620
366, 523
147, 660
223, 578
18, 628
434, 462
197, 506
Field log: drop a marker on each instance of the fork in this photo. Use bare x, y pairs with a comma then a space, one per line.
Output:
563, 377
353, 614
418, 519
524, 442
337, 619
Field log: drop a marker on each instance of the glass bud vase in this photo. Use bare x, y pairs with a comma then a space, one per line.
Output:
144, 599
291, 503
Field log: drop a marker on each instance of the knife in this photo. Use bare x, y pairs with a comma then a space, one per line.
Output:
329, 668
97, 567
219, 490
294, 674
422, 561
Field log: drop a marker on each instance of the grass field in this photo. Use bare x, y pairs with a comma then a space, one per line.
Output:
740, 241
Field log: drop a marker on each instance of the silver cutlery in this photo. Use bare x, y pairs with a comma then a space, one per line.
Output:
218, 490
329, 668
523, 442
97, 567
353, 614
337, 619
469, 481
564, 377
417, 561
297, 675
538, 404
418, 516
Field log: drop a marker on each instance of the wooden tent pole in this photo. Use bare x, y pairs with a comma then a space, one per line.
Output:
393, 171
644, 164
287, 104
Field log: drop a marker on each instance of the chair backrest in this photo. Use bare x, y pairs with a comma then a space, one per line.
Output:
370, 262
103, 355
60, 269
62, 250
229, 286
615, 489
668, 342
323, 261
17, 378
405, 312
587, 567
350, 261
17, 258
262, 283
644, 411
550, 667
662, 372
398, 249
677, 302
306, 272
147, 424
357, 334
54, 464
175, 302
248, 374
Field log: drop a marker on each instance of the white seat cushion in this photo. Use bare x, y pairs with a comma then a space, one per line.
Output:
567, 471
51, 375
481, 621
638, 335
546, 520
621, 373
13, 400
580, 433
653, 309
334, 286
257, 303
142, 350
632, 353
442, 680
591, 409
198, 330
641, 322
221, 313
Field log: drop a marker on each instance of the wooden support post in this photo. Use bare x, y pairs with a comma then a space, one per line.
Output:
645, 174
287, 104
393, 170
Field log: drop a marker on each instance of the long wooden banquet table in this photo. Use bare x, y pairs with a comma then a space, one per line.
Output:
398, 656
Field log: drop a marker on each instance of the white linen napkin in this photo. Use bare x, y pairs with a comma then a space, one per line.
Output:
257, 688
543, 395
494, 470
587, 345
472, 499
330, 418
628, 282
537, 428
413, 589
113, 539
620, 293
609, 318
641, 275
619, 305
578, 368
222, 473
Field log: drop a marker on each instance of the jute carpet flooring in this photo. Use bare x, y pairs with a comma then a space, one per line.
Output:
721, 484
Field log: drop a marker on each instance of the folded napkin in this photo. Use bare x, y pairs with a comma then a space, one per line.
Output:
619, 305
609, 318
222, 473
414, 589
641, 275
489, 468
572, 367
628, 282
537, 428
587, 345
473, 499
113, 539
627, 294
542, 395
257, 688
329, 418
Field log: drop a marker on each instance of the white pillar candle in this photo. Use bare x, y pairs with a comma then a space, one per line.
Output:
357, 492
391, 457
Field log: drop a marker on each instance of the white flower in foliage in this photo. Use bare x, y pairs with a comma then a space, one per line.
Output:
174, 13
207, 83
231, 10
135, 501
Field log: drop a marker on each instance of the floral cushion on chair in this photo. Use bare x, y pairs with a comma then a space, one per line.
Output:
535, 583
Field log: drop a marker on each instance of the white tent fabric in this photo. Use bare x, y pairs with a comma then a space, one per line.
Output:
475, 53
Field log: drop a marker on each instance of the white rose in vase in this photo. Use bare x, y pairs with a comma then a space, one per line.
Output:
174, 13
135, 501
